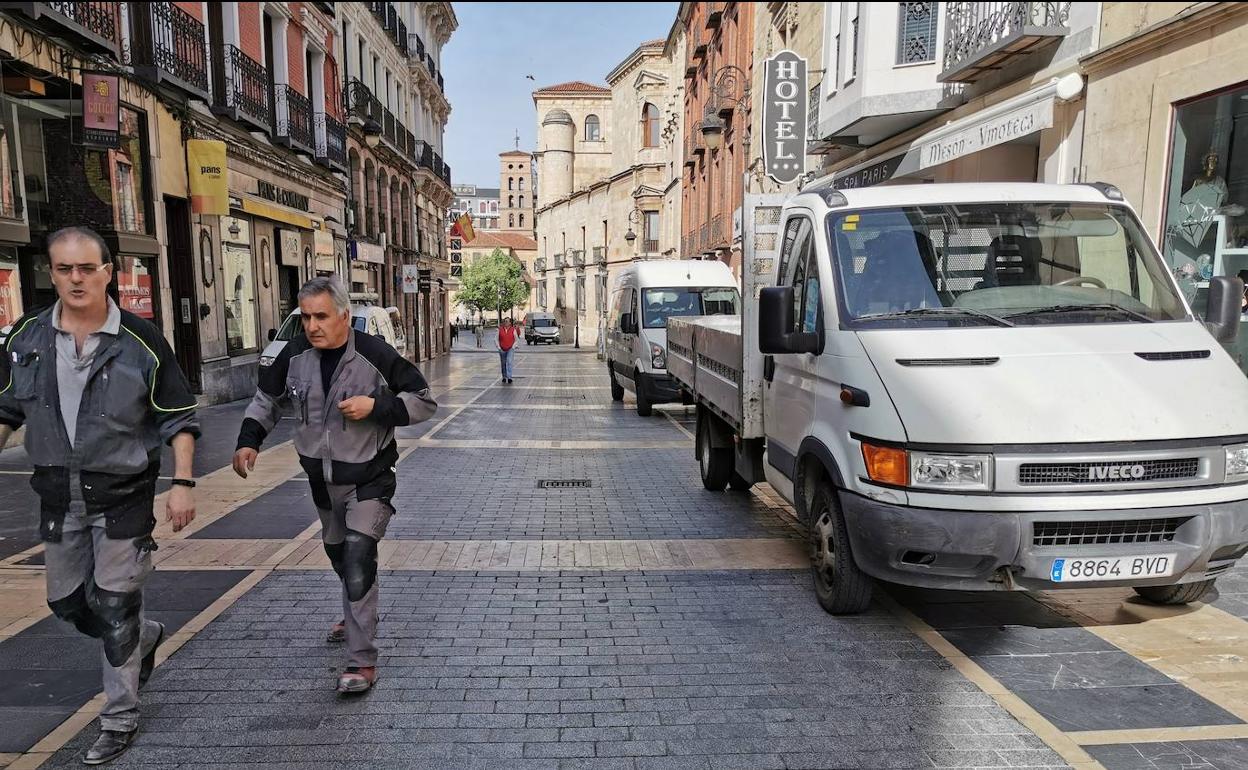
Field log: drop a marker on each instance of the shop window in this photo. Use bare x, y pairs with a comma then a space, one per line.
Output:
135, 278
10, 287
1206, 232
240, 286
10, 182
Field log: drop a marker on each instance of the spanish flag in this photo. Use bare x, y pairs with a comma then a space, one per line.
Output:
463, 227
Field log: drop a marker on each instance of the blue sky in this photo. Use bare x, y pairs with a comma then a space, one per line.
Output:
498, 44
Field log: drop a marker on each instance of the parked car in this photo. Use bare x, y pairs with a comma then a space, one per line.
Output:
644, 296
541, 327
369, 319
976, 387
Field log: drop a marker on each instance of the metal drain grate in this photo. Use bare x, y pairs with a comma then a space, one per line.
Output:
564, 484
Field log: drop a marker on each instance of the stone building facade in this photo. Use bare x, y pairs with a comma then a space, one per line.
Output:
608, 190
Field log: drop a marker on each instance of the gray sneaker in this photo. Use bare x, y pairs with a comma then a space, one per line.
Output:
108, 746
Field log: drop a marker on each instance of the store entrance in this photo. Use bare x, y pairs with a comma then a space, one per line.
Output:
287, 291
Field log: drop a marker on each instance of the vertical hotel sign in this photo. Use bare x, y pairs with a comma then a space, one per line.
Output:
205, 161
100, 108
784, 117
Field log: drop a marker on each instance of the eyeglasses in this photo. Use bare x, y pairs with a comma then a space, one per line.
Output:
87, 270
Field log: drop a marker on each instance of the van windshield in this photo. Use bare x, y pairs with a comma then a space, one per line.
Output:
998, 264
542, 323
657, 305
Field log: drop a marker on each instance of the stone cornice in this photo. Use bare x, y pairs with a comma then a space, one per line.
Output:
1194, 20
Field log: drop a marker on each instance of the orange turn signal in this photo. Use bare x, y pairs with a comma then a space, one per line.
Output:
886, 464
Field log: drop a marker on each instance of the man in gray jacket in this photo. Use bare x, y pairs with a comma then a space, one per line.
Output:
99, 392
349, 391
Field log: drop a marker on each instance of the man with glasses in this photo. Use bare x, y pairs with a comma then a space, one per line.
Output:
99, 391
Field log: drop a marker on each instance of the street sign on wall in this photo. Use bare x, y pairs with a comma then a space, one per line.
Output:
411, 279
784, 117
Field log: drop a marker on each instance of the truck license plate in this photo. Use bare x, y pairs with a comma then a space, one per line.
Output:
1112, 568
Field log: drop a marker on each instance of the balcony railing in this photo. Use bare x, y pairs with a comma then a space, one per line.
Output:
981, 38
240, 87
416, 46
361, 103
388, 126
99, 21
716, 236
400, 37
599, 255
650, 246
293, 117
409, 147
331, 141
167, 44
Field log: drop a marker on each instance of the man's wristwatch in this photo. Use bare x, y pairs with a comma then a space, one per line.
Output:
183, 482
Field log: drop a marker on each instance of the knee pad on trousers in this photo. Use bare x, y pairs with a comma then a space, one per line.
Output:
336, 551
119, 613
74, 609
359, 564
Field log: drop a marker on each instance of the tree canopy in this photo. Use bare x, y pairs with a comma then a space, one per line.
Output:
494, 283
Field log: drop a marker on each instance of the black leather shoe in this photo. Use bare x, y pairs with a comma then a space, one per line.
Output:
110, 745
149, 660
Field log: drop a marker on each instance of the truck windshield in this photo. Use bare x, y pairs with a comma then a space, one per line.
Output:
1001, 264
657, 305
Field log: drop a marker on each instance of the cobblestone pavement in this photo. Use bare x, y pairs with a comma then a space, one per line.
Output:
634, 621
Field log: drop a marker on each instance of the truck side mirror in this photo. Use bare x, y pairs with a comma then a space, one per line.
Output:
628, 323
775, 324
1222, 314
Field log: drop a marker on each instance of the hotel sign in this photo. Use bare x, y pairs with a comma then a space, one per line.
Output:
784, 117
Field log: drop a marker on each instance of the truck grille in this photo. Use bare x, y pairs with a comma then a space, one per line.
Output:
1119, 472
1105, 532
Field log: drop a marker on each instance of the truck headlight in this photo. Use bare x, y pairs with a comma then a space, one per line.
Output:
926, 470
267, 360
1237, 462
938, 471
658, 356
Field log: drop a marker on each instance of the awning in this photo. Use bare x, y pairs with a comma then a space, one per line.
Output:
1003, 122
276, 213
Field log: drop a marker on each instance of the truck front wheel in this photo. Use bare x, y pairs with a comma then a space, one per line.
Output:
715, 464
840, 587
1176, 594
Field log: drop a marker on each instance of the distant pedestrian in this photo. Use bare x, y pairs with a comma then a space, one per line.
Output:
99, 391
454, 333
479, 333
349, 391
506, 345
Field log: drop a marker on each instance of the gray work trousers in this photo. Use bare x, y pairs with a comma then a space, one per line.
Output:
367, 517
85, 557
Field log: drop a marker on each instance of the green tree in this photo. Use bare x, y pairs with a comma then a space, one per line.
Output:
493, 283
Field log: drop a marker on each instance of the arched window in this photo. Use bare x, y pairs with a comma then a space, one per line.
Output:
493, 207
511, 183
649, 125
522, 220
521, 201
592, 128
521, 184
511, 220
511, 201
481, 207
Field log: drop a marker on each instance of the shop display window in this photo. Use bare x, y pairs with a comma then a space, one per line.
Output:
240, 286
1206, 225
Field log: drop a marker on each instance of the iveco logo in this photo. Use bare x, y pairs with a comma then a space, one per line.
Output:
1115, 472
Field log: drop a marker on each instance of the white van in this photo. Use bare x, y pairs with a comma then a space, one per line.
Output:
978, 387
644, 295
366, 318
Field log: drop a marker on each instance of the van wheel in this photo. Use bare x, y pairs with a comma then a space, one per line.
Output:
617, 390
738, 484
644, 407
840, 587
1176, 594
714, 464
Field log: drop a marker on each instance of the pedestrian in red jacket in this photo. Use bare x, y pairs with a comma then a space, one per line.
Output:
508, 335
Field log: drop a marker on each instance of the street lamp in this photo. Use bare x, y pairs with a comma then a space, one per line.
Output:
372, 132
634, 217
